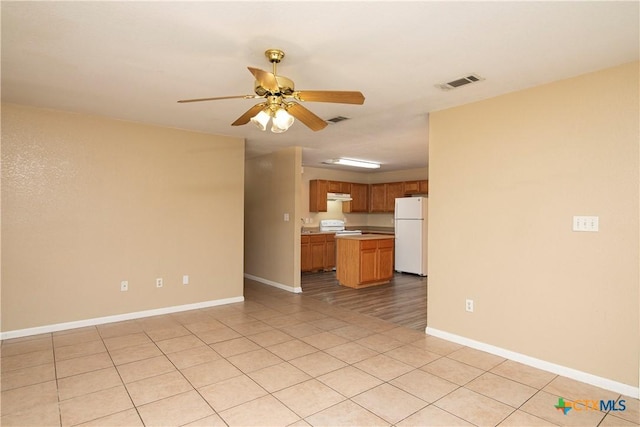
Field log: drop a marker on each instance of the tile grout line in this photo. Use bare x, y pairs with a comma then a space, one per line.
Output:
55, 376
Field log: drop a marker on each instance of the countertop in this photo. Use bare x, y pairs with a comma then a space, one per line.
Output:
365, 236
364, 229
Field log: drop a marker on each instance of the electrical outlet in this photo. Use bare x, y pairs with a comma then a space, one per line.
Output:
185, 279
159, 283
124, 286
469, 305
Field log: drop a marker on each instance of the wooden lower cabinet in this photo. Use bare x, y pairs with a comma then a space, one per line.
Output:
305, 253
318, 252
364, 260
330, 252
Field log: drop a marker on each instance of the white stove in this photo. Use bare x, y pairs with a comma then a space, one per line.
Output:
337, 226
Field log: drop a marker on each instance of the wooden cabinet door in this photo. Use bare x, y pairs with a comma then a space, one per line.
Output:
330, 252
360, 195
411, 187
360, 199
339, 187
394, 189
318, 189
305, 254
317, 254
377, 197
416, 187
424, 186
385, 259
368, 261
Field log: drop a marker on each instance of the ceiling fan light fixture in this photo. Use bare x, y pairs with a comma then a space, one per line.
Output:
281, 121
353, 162
261, 119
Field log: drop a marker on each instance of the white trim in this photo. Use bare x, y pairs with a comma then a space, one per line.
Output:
297, 290
584, 377
115, 318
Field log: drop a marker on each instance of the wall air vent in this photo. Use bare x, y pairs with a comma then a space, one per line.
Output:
462, 81
338, 119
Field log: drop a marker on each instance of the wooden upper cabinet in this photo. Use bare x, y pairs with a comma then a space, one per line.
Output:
411, 187
366, 198
318, 189
424, 186
339, 187
378, 198
416, 187
394, 190
360, 195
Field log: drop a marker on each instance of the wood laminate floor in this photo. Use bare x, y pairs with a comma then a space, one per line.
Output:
402, 301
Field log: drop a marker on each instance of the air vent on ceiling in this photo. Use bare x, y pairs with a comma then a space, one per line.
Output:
338, 119
462, 81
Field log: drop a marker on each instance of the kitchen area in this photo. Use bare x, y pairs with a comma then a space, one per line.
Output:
365, 233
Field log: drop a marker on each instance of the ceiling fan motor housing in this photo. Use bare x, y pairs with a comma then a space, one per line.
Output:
285, 87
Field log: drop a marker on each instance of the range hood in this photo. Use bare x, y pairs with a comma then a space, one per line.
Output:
339, 197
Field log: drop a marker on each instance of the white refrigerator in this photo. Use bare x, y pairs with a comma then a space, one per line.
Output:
410, 221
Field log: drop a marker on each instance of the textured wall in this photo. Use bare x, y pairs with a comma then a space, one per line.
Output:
272, 245
88, 202
506, 177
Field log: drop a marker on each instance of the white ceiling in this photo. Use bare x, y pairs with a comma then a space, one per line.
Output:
134, 60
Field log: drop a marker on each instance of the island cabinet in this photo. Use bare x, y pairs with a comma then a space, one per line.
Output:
317, 252
365, 260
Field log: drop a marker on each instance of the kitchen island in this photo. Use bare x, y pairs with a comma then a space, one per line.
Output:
364, 260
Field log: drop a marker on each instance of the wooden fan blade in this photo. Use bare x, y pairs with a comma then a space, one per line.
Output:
244, 119
217, 98
265, 79
301, 113
340, 97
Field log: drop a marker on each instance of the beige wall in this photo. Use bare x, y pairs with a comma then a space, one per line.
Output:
88, 202
272, 245
506, 176
334, 209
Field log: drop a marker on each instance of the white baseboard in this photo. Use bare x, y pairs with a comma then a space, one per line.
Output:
297, 290
115, 318
574, 374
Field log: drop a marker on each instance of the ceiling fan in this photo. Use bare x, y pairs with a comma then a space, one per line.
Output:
280, 98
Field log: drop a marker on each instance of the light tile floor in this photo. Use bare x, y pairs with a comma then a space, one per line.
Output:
278, 359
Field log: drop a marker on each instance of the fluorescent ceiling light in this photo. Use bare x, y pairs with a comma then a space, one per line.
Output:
356, 163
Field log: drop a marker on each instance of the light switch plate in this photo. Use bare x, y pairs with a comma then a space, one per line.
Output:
586, 223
